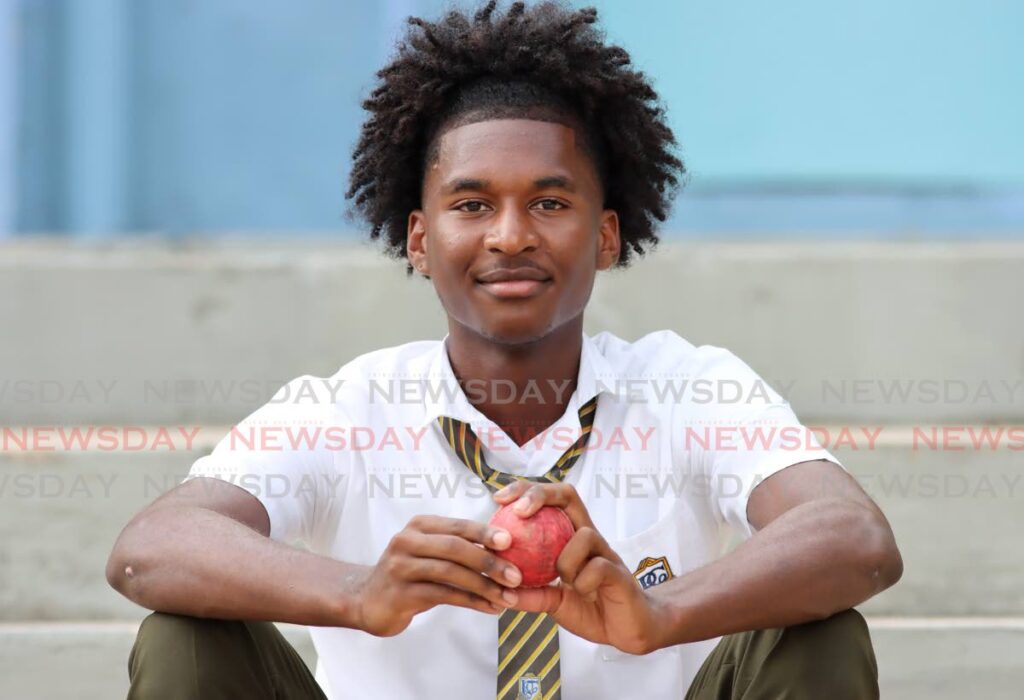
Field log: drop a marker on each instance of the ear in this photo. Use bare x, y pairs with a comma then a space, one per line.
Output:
416, 242
609, 243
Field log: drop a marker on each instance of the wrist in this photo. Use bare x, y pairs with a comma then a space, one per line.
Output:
669, 621
345, 599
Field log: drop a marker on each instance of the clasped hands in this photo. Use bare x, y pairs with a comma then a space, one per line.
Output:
438, 560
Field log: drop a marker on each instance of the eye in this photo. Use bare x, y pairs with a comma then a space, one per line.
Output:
551, 204
473, 206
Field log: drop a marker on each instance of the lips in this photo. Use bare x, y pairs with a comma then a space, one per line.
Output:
511, 274
514, 283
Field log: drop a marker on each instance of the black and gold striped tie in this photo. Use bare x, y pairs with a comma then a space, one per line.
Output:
528, 667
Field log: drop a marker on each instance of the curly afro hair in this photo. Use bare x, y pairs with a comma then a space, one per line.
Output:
547, 62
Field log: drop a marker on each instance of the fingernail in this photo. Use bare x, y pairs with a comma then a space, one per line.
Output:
521, 505
513, 577
510, 597
501, 539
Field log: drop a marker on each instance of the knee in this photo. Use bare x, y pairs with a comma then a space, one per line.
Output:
159, 657
164, 654
843, 634
158, 628
835, 655
163, 645
161, 633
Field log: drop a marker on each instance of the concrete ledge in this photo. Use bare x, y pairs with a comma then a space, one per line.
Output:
918, 659
918, 662
82, 660
890, 333
956, 515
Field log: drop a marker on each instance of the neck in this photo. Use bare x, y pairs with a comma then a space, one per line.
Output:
523, 388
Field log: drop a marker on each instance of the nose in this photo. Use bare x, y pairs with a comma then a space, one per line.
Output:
511, 232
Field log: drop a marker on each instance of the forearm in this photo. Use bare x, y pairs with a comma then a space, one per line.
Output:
814, 560
194, 561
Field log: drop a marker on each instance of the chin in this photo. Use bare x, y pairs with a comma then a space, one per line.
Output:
523, 332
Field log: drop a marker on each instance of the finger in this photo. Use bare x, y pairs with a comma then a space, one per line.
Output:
428, 595
425, 570
559, 495
443, 571
481, 533
600, 572
586, 544
465, 553
512, 491
543, 599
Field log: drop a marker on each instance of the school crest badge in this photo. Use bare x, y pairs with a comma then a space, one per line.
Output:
529, 687
651, 571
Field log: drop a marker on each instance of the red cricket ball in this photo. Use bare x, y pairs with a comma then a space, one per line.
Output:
536, 542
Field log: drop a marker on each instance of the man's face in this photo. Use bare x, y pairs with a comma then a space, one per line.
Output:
512, 230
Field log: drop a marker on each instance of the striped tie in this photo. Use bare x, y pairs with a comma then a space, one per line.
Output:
528, 667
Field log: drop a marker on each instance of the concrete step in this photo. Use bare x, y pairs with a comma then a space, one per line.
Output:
61, 513
890, 333
75, 660
956, 514
918, 659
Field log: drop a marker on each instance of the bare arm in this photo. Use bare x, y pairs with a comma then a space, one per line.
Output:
203, 550
822, 546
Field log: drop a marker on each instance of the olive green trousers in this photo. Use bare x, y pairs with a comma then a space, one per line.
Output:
186, 658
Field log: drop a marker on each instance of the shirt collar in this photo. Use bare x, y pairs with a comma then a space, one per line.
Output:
445, 397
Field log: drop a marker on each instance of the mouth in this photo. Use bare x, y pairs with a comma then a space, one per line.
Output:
514, 283
514, 289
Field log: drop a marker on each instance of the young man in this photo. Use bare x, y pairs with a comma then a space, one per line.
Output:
510, 157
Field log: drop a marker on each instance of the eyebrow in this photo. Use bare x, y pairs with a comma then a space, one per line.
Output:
542, 183
463, 184
554, 182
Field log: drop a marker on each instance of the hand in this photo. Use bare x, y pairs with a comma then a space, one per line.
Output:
597, 597
435, 560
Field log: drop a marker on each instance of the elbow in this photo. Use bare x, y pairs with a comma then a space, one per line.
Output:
880, 557
126, 556
890, 570
112, 565
118, 568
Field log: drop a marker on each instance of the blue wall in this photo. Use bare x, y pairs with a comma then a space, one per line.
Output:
179, 116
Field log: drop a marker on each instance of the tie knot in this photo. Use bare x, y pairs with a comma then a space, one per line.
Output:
466, 446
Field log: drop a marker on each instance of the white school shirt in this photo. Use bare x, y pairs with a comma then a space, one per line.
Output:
681, 436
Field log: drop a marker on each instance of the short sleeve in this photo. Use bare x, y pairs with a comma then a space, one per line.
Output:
737, 431
284, 454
